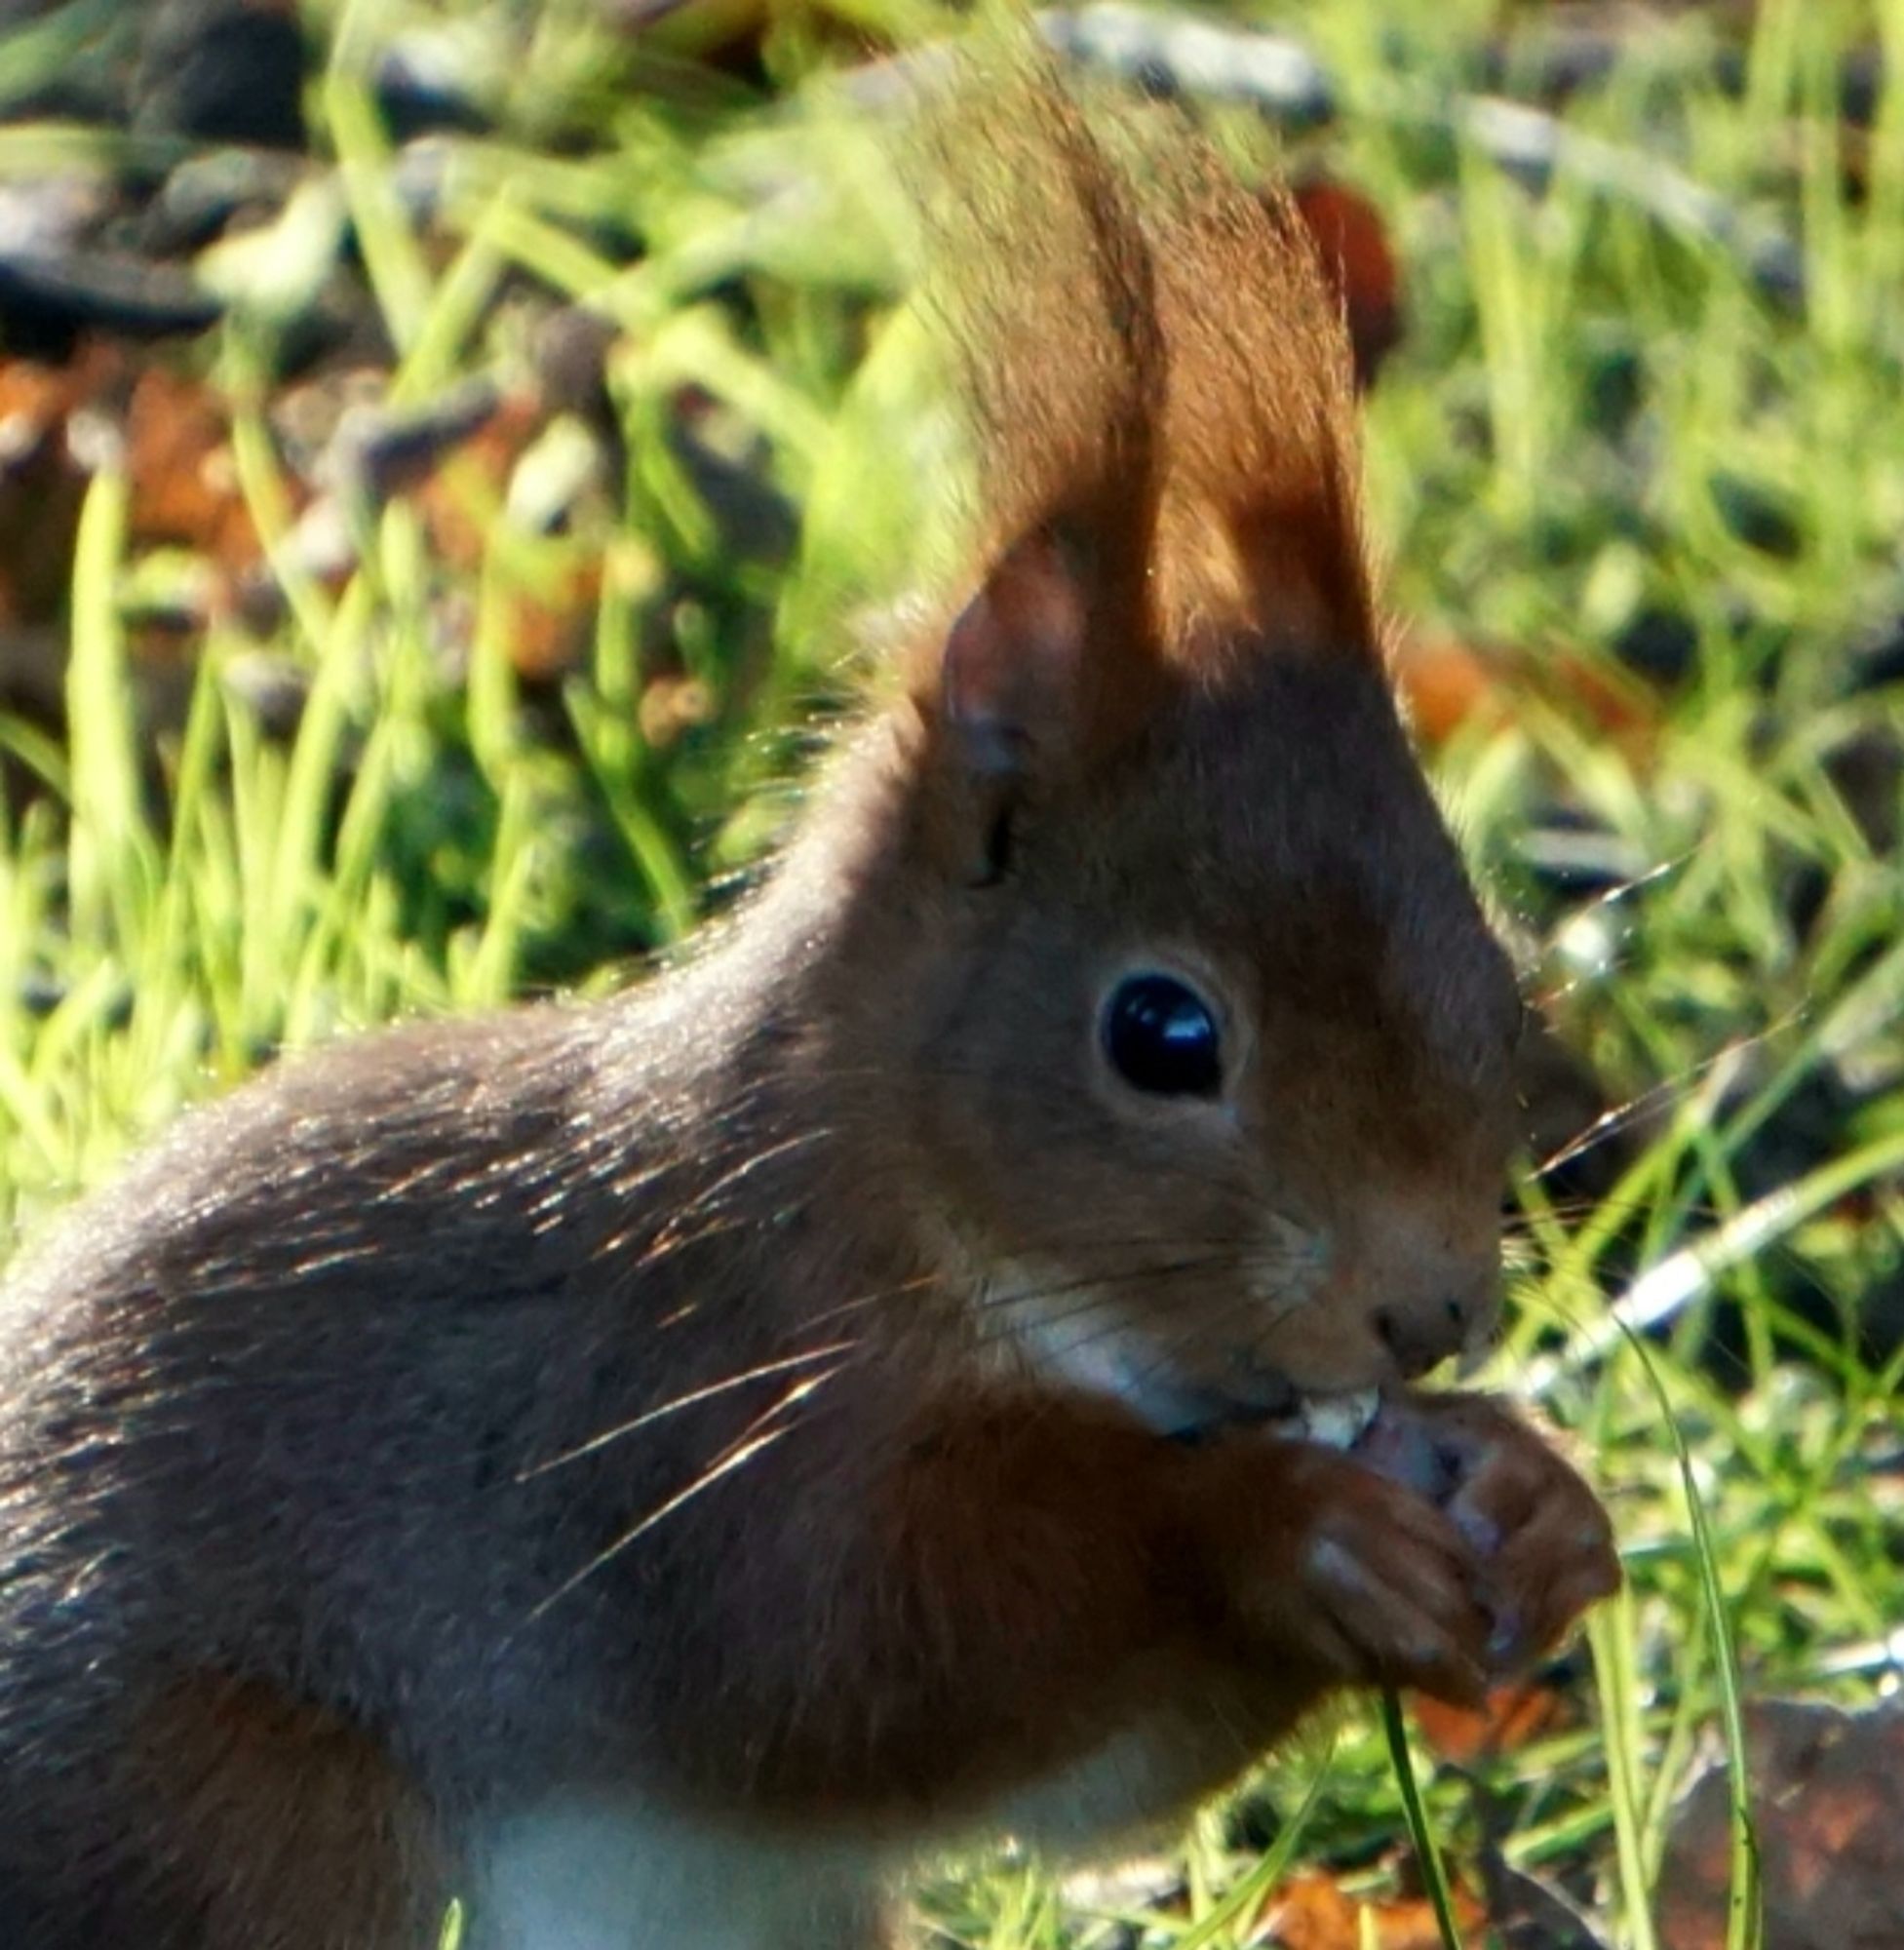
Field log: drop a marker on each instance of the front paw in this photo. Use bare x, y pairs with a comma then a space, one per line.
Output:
1542, 1541
1330, 1564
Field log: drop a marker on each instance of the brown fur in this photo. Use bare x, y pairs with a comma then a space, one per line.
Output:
283, 1825
751, 1398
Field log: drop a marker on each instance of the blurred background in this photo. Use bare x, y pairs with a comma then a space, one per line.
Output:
441, 489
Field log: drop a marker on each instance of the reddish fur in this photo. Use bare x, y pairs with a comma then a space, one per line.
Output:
1351, 244
1195, 425
1031, 1574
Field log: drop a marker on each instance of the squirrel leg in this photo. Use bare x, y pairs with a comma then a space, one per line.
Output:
235, 1818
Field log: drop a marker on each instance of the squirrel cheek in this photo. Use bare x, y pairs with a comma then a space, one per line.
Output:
1289, 1267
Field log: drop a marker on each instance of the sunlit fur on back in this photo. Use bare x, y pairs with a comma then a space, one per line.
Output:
811, 1408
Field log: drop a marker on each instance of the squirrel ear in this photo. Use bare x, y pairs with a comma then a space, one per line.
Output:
1305, 578
1032, 682
1011, 673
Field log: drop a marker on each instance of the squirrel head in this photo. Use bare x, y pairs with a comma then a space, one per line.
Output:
1188, 1042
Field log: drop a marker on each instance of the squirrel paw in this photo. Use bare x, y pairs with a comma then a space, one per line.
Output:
1539, 1534
1367, 1580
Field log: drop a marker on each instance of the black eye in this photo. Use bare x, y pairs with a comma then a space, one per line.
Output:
1161, 1037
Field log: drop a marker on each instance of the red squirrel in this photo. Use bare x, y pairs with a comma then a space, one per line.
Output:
647, 1470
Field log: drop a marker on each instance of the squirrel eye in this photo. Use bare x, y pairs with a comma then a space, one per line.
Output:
1161, 1038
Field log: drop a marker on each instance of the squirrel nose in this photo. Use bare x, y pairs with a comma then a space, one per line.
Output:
1420, 1284
1421, 1335
1421, 1330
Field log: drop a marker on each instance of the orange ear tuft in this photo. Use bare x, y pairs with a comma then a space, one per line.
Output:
1040, 283
1260, 422
1156, 384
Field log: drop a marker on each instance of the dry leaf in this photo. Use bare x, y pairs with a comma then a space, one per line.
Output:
184, 484
1352, 241
1446, 683
1828, 1803
1512, 1716
1310, 1912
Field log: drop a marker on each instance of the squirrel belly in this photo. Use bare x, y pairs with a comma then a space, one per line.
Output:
605, 1875
613, 1875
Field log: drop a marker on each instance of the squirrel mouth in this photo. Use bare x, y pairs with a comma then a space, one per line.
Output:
1332, 1421
1249, 1396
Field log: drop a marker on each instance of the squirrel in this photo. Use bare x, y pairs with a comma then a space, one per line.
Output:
939, 1361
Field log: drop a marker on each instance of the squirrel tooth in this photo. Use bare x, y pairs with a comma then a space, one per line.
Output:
1337, 1422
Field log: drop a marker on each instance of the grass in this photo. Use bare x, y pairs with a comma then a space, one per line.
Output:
1590, 424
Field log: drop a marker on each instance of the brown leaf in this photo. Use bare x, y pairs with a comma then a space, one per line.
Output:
1449, 684
1446, 683
41, 483
1310, 1912
185, 481
1511, 1716
550, 585
1352, 241
1828, 1805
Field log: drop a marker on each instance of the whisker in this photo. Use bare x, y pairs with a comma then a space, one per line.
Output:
790, 1364
692, 1399
860, 1301
758, 1438
1244, 1303
1617, 1119
877, 1297
1173, 1346
1121, 1276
